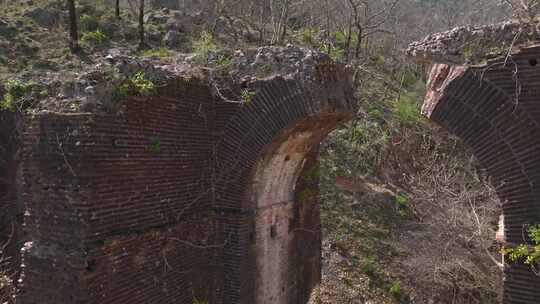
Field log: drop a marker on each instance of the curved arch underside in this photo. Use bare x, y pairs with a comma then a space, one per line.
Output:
495, 109
286, 230
267, 146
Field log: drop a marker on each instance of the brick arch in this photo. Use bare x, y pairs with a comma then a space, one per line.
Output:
277, 133
495, 109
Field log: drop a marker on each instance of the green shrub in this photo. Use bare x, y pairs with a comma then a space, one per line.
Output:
248, 95
305, 36
266, 69
402, 204
7, 289
396, 290
409, 78
340, 37
406, 111
141, 85
375, 112
155, 145
377, 60
369, 267
89, 23
43, 93
336, 53
15, 91
157, 53
137, 84
120, 92
96, 37
528, 253
203, 46
306, 194
224, 63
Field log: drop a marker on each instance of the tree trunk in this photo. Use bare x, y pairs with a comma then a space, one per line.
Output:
348, 42
262, 24
359, 42
212, 8
284, 22
327, 32
73, 32
117, 9
142, 44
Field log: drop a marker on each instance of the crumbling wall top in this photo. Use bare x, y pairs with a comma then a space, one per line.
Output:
98, 86
474, 44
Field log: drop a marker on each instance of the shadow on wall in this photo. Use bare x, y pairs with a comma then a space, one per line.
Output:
10, 210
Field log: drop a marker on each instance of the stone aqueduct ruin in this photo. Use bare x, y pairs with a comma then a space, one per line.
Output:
183, 196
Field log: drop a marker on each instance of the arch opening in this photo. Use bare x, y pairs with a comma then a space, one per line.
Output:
286, 243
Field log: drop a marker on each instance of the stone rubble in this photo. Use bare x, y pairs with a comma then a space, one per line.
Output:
90, 90
474, 44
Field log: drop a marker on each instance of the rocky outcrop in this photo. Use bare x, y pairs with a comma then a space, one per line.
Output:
46, 17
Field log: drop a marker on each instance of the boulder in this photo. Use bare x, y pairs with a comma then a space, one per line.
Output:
154, 37
171, 4
44, 17
184, 23
172, 25
156, 17
111, 28
172, 39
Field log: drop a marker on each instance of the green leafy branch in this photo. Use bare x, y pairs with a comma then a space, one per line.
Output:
16, 90
137, 84
529, 254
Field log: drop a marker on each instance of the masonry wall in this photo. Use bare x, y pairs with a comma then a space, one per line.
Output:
150, 203
164, 200
119, 206
496, 110
281, 109
10, 209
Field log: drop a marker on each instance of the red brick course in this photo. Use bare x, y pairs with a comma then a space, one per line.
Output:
495, 109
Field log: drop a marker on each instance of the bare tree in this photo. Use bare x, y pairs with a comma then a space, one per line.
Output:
117, 9
73, 31
279, 15
524, 9
366, 21
142, 43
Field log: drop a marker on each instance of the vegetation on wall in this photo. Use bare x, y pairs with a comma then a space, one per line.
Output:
7, 289
527, 253
16, 90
